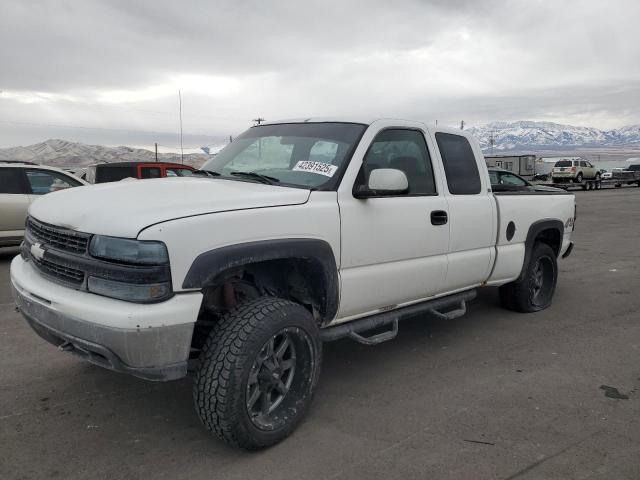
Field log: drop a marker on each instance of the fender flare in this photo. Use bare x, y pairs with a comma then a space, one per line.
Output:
534, 230
317, 253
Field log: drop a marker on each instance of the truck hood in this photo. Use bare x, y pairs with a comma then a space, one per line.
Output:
123, 209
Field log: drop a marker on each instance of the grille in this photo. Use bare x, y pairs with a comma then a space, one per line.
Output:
57, 237
67, 275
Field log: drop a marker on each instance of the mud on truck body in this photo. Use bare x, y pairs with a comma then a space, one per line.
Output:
298, 232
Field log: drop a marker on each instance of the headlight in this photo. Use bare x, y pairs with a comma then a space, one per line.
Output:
129, 251
130, 292
138, 270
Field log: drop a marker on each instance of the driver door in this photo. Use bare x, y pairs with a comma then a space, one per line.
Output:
393, 251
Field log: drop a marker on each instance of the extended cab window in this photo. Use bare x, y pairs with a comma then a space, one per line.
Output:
11, 181
404, 150
460, 165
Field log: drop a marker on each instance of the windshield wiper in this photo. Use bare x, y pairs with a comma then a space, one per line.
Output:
257, 176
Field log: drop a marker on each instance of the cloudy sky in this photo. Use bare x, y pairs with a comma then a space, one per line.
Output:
109, 72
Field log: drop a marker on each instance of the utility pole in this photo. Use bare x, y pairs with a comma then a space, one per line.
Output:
156, 152
181, 149
258, 121
492, 140
461, 124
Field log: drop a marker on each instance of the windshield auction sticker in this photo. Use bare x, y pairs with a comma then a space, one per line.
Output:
325, 169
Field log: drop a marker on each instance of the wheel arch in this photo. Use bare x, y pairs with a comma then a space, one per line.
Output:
313, 258
549, 231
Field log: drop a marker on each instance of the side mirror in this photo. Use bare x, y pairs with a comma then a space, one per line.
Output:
384, 181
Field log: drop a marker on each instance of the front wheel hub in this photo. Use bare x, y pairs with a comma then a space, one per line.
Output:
278, 376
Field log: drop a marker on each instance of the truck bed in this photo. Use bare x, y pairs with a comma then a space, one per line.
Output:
518, 213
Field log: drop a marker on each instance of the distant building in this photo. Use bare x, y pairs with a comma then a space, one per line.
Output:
523, 165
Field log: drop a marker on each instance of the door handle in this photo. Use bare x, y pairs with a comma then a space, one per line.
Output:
439, 217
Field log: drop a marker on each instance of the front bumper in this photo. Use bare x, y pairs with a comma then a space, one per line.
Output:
147, 341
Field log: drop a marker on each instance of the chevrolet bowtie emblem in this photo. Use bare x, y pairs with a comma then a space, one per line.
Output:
37, 251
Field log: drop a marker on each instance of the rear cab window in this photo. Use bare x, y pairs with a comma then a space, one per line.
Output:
460, 166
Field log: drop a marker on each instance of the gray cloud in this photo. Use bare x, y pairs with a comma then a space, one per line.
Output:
118, 64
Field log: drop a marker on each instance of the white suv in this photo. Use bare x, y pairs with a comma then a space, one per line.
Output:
20, 184
574, 171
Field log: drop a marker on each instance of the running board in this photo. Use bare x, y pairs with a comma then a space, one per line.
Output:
445, 308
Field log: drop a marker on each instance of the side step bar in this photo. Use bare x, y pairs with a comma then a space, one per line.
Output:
445, 308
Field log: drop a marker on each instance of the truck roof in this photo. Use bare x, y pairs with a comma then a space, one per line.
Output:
366, 121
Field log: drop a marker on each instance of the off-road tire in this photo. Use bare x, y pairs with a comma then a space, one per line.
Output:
227, 359
518, 296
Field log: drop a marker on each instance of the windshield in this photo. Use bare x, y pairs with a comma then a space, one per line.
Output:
306, 155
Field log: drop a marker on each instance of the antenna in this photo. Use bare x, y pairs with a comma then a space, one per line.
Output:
461, 124
258, 120
181, 149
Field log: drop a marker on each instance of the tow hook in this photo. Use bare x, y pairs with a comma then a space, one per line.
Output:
66, 346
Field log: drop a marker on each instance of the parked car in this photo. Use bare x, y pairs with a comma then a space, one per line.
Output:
574, 171
116, 171
505, 181
20, 184
248, 270
80, 172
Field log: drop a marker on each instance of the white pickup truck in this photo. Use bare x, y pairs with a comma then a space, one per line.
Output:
296, 233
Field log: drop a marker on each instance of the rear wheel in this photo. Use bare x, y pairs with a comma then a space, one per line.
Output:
579, 178
258, 373
534, 291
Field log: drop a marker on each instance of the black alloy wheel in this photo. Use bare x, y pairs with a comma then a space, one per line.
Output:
542, 282
259, 369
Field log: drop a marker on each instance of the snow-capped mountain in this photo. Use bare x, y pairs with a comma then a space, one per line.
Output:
528, 135
507, 136
56, 152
